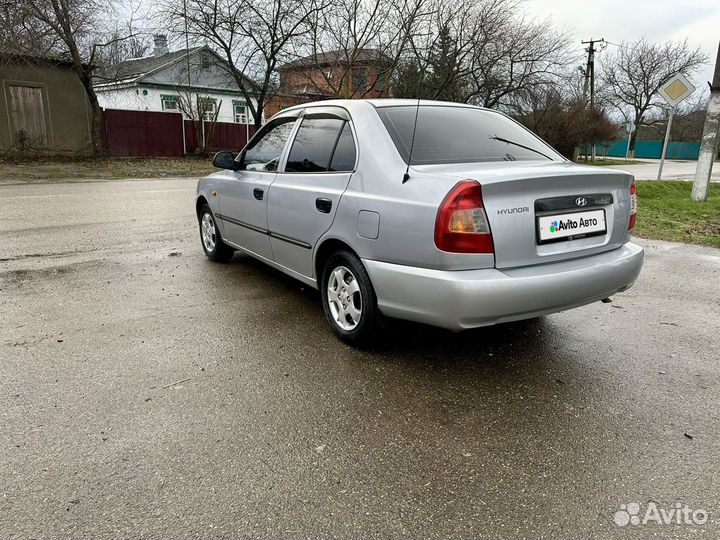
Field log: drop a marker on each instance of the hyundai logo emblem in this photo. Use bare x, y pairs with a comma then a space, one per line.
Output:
581, 201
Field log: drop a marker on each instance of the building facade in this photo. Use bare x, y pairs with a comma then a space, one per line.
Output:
196, 83
363, 74
43, 108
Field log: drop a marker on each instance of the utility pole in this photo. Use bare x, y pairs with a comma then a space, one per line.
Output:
708, 145
668, 130
590, 78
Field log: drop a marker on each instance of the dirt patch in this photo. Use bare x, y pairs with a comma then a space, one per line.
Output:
43, 169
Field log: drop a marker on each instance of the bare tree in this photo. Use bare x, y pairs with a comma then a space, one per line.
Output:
125, 41
20, 34
253, 36
486, 51
74, 30
73, 23
634, 74
560, 117
524, 54
203, 112
441, 52
353, 47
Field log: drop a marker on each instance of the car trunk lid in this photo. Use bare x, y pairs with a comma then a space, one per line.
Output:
543, 212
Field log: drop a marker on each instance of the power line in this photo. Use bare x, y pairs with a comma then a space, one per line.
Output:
622, 46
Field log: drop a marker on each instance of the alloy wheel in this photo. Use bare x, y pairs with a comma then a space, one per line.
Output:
207, 229
344, 298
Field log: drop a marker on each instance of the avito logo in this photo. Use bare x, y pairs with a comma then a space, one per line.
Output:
633, 514
570, 224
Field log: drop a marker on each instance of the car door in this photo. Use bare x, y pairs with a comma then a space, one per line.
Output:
244, 197
305, 194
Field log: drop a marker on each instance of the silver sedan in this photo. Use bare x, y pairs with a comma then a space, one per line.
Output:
441, 213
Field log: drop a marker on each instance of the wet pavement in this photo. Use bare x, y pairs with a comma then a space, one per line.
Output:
147, 392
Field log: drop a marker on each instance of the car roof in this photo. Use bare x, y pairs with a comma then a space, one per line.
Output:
351, 104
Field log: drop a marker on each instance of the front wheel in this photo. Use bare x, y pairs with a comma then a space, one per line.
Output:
349, 299
212, 243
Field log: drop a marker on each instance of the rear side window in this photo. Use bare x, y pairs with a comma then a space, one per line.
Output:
344, 157
313, 145
461, 135
322, 143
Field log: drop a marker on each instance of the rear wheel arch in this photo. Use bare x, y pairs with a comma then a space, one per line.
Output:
325, 250
348, 296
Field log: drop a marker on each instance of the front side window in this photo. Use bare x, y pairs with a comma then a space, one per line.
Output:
314, 143
265, 151
447, 134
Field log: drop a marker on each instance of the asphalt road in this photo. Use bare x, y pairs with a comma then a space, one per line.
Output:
277, 430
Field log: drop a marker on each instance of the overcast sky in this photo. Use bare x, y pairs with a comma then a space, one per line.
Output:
628, 20
657, 20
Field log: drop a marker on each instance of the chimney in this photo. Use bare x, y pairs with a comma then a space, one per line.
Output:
161, 46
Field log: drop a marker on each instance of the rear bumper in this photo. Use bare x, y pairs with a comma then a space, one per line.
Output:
463, 299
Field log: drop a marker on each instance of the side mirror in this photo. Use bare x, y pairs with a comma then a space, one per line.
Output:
225, 160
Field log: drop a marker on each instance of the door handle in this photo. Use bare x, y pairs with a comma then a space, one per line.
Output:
258, 194
323, 205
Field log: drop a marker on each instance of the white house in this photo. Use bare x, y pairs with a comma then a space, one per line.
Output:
194, 81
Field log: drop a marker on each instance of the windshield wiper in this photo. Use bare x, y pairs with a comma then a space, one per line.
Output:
508, 141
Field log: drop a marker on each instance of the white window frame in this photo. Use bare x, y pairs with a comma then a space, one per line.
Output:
241, 118
211, 108
170, 99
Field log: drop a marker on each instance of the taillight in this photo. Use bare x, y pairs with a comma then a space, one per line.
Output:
461, 225
633, 205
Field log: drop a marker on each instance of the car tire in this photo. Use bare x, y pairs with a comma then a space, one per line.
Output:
349, 299
212, 243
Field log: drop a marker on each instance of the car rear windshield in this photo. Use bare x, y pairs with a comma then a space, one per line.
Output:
447, 134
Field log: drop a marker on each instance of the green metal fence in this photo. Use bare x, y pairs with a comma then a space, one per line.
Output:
649, 149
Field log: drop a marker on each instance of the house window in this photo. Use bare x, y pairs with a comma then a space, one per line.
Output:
380, 82
205, 61
360, 78
170, 103
240, 112
208, 108
329, 75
